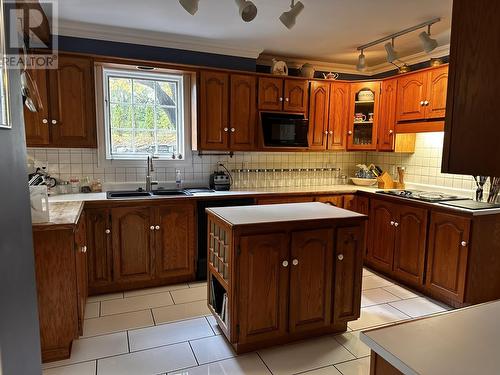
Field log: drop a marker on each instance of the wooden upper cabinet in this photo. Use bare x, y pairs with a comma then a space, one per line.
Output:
214, 110
387, 117
412, 91
99, 252
338, 115
260, 269
437, 90
348, 274
447, 255
72, 103
319, 115
270, 94
471, 129
243, 112
382, 234
133, 235
174, 240
411, 239
311, 273
296, 95
37, 123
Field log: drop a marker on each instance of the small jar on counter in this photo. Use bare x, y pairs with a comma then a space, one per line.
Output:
75, 185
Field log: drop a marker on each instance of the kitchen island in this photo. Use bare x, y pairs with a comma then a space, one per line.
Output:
278, 273
460, 342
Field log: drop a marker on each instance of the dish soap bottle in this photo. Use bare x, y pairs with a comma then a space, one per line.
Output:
178, 179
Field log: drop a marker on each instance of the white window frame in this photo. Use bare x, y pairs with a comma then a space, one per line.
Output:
105, 158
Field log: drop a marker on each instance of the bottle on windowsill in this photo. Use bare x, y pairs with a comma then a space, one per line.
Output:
178, 179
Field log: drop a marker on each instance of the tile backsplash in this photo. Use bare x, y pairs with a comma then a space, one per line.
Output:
422, 167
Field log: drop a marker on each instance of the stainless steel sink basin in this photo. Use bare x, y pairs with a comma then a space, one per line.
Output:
170, 192
127, 194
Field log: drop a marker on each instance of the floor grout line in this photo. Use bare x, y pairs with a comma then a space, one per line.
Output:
128, 342
264, 362
194, 354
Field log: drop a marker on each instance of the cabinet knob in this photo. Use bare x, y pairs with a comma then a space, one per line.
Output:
426, 103
392, 223
285, 263
226, 129
422, 103
396, 224
107, 231
45, 121
326, 132
152, 227
54, 122
464, 243
281, 99
349, 132
84, 249
391, 131
157, 227
331, 132
295, 262
340, 257
287, 100
233, 130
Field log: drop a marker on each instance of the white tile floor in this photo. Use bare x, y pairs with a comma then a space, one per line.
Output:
169, 330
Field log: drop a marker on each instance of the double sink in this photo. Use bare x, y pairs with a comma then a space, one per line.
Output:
146, 194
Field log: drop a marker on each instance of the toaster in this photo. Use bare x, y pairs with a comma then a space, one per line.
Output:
220, 181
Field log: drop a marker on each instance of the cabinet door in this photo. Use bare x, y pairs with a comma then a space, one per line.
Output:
412, 91
348, 274
409, 251
296, 95
363, 205
133, 232
175, 241
100, 260
318, 115
270, 94
81, 270
72, 103
362, 134
332, 200
264, 287
338, 116
447, 257
37, 124
387, 118
214, 110
436, 93
311, 272
243, 112
382, 234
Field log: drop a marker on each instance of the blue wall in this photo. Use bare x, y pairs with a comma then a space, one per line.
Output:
152, 53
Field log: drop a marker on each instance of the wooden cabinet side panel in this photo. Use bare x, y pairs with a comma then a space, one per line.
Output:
338, 116
311, 279
263, 287
318, 115
270, 94
243, 112
348, 273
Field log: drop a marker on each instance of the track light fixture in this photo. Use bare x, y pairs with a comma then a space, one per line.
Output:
361, 66
247, 9
288, 18
191, 6
428, 43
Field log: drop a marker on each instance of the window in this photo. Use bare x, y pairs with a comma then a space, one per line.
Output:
144, 114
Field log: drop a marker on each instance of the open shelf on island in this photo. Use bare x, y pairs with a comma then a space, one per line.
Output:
218, 301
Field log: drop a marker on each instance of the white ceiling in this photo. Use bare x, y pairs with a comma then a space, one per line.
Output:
327, 30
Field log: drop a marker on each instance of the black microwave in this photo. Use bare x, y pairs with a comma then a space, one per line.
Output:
284, 129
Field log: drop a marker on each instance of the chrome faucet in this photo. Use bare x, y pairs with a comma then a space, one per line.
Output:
149, 182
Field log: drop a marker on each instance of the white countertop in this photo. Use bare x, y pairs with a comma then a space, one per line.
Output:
460, 342
279, 213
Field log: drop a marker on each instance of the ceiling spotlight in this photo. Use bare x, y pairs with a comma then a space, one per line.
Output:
428, 43
248, 10
361, 66
288, 18
191, 6
391, 53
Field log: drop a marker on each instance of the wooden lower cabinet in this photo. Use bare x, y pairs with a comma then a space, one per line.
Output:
60, 269
357, 203
291, 281
99, 252
448, 255
285, 199
382, 235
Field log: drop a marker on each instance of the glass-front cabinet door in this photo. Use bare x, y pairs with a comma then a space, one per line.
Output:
362, 133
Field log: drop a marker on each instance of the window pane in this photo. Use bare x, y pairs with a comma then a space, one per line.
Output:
167, 142
144, 117
144, 92
120, 90
145, 142
166, 118
121, 141
166, 93
121, 116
